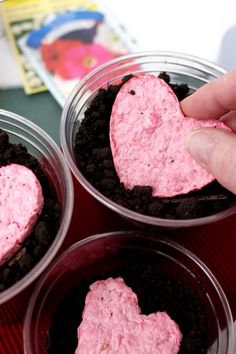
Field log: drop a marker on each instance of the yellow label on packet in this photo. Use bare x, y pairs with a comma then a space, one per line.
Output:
22, 17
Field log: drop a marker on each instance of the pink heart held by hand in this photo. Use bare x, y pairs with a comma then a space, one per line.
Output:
148, 134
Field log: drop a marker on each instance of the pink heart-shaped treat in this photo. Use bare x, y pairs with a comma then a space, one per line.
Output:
148, 133
21, 202
112, 323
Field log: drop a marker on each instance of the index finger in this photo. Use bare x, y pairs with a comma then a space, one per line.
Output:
212, 100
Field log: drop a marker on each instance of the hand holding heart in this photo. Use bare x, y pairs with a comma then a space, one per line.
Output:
214, 148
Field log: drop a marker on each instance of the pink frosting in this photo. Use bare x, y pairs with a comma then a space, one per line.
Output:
21, 203
148, 133
112, 323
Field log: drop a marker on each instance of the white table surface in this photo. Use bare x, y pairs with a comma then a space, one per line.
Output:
205, 28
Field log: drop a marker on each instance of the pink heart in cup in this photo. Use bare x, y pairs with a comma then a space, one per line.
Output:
148, 134
21, 203
112, 323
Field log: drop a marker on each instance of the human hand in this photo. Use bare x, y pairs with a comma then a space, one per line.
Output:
215, 149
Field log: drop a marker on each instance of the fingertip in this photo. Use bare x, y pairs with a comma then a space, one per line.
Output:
189, 138
212, 100
200, 145
215, 150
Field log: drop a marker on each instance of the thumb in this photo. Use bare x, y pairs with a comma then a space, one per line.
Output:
215, 150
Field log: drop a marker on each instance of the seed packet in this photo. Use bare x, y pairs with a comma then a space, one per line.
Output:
19, 20
69, 39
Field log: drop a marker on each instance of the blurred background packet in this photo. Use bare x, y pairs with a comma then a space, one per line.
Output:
56, 43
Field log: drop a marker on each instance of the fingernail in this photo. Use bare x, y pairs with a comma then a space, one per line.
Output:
201, 145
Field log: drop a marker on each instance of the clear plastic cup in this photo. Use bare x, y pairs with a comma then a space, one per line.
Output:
99, 254
182, 69
14, 299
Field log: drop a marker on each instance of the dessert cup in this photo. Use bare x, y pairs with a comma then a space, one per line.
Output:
101, 255
51, 160
182, 69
